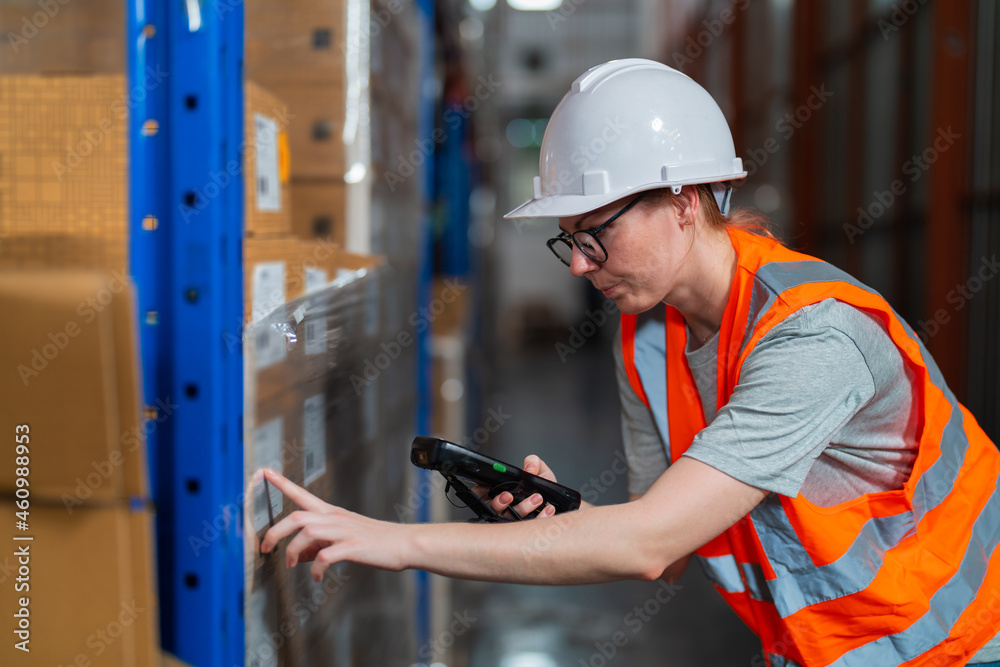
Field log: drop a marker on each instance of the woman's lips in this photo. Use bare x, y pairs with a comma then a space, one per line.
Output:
608, 291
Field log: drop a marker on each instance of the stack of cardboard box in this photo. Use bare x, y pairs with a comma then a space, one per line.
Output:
78, 516
297, 50
63, 168
64, 185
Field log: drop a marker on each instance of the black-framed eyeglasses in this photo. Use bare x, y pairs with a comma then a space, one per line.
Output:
586, 240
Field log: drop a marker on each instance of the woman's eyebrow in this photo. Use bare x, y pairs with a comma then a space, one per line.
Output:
579, 225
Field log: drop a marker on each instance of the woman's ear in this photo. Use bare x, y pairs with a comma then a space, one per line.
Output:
687, 203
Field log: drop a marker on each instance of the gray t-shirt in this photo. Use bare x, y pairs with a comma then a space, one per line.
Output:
823, 407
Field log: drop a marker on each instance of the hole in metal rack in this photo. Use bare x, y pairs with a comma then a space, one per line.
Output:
322, 130
193, 485
150, 223
191, 390
190, 198
191, 580
152, 318
150, 127
322, 38
191, 295
322, 226
191, 101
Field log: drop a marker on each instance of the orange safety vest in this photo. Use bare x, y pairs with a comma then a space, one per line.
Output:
903, 577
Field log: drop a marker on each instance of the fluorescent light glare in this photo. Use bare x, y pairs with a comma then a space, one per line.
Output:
356, 173
194, 15
534, 5
528, 659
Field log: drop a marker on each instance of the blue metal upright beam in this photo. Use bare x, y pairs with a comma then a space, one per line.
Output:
186, 222
425, 128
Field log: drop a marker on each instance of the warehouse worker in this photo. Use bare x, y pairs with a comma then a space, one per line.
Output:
781, 423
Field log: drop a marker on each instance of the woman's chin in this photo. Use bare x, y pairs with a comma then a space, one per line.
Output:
629, 305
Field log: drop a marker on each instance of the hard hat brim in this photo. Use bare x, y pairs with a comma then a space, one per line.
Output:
563, 206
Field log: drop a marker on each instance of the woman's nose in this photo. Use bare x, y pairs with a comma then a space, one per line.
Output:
580, 264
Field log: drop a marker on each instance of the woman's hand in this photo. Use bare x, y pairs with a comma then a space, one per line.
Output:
328, 534
502, 502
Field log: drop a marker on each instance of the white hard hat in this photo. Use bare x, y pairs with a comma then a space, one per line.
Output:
625, 127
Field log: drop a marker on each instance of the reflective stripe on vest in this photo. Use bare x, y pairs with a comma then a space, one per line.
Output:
796, 582
650, 348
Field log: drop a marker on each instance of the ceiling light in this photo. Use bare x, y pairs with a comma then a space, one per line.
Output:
535, 5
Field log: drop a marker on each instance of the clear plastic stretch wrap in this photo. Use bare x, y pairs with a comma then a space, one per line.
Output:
331, 406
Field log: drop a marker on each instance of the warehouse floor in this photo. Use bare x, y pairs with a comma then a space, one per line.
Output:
569, 414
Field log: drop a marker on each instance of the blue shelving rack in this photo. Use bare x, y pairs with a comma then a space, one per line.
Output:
186, 236
425, 128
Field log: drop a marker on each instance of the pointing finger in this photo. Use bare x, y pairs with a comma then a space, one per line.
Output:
294, 492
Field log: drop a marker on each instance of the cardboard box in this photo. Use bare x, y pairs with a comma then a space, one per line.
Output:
316, 127
76, 386
268, 274
321, 261
267, 202
295, 40
274, 440
64, 157
63, 251
92, 588
63, 37
318, 209
64, 168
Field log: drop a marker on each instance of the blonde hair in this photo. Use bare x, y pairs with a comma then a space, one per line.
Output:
746, 219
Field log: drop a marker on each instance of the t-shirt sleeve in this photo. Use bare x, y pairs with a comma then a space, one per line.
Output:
797, 389
645, 450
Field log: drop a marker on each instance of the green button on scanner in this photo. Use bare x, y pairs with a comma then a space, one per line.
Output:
499, 467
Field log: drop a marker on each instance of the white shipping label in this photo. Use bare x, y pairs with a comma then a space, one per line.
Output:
315, 279
268, 186
268, 287
316, 335
267, 502
314, 427
269, 346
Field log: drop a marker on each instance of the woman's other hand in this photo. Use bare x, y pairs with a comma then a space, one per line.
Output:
526, 507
